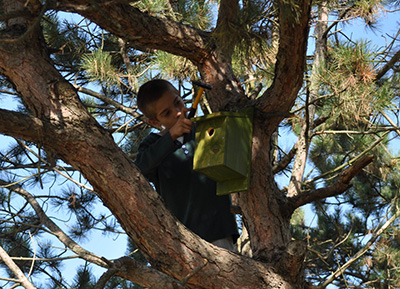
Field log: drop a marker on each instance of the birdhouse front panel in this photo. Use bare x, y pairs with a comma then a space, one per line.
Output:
223, 144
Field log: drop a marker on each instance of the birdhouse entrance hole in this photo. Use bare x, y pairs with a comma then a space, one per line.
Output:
223, 149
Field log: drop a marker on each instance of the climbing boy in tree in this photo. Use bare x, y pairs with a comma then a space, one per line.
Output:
166, 160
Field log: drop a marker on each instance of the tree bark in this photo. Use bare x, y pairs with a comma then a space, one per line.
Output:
264, 206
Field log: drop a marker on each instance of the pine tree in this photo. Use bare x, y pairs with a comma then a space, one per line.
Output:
76, 129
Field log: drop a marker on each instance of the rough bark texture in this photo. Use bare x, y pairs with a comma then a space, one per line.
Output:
264, 205
60, 123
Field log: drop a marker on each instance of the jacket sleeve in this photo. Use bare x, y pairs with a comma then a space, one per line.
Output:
152, 152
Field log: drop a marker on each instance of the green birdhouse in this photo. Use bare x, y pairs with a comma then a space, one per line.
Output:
223, 149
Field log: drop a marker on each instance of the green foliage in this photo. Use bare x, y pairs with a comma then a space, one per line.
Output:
386, 258
154, 7
368, 10
194, 13
352, 111
66, 42
347, 83
251, 30
172, 66
16, 245
253, 63
98, 66
84, 278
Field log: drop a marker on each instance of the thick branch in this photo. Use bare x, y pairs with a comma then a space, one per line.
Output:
20, 125
285, 161
140, 28
388, 65
226, 24
342, 184
294, 26
267, 227
292, 262
144, 275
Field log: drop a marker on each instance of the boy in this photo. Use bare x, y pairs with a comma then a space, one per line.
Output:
166, 160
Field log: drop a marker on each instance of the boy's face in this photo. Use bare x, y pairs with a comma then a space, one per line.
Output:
167, 109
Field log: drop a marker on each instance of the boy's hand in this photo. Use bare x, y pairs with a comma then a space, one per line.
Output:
182, 126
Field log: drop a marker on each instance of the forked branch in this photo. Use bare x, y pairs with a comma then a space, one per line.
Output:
342, 184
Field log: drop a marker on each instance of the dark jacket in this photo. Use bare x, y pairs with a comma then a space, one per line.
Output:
189, 195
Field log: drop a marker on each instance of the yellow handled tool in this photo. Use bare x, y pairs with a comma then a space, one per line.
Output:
201, 86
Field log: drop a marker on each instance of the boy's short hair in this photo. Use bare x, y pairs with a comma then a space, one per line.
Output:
150, 92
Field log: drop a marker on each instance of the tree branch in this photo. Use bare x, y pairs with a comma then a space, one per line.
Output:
388, 65
145, 275
20, 125
15, 269
109, 101
64, 238
355, 159
396, 128
137, 28
285, 161
291, 58
124, 267
361, 252
342, 184
228, 14
292, 262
